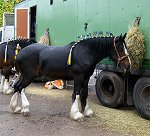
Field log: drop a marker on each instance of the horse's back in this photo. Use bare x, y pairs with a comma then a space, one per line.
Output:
29, 55
43, 51
49, 60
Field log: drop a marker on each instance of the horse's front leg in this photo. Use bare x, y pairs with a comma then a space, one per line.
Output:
25, 103
13, 107
75, 113
2, 83
84, 103
6, 73
6, 85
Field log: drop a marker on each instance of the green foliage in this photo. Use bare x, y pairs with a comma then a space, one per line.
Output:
7, 6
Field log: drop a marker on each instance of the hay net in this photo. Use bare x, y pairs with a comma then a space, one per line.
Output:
44, 39
135, 45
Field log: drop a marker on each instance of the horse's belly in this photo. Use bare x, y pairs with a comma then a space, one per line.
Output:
53, 75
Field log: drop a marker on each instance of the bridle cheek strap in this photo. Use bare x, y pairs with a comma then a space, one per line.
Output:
119, 58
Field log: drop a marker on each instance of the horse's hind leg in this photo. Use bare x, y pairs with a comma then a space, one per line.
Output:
84, 103
75, 112
25, 103
20, 87
13, 107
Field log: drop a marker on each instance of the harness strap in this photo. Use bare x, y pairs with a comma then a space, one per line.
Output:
70, 54
17, 51
6, 49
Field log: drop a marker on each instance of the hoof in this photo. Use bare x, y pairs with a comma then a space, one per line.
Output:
78, 116
11, 109
4, 92
9, 91
25, 111
17, 110
89, 113
1, 90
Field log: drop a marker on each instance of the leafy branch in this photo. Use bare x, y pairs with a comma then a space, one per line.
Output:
7, 6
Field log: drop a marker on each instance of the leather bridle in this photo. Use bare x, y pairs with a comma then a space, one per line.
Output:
119, 57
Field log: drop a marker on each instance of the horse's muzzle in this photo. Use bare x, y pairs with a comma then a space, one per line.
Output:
125, 65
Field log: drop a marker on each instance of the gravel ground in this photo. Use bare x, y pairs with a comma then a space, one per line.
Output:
49, 116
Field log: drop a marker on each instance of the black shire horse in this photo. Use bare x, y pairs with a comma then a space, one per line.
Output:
51, 61
8, 52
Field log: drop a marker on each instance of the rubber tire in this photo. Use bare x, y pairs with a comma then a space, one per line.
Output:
106, 79
140, 91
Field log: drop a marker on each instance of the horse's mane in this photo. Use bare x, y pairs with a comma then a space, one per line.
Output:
96, 42
21, 42
94, 46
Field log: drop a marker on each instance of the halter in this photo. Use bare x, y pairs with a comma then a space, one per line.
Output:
119, 58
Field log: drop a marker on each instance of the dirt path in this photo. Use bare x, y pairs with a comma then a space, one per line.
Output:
50, 117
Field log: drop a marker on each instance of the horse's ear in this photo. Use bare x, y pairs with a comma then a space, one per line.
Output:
121, 38
124, 36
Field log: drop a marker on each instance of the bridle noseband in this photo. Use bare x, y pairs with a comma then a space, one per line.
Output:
119, 57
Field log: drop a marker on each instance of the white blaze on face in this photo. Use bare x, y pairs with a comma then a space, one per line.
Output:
126, 52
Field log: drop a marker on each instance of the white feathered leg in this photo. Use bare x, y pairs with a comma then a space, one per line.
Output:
87, 111
75, 114
6, 86
25, 103
2, 83
10, 90
13, 104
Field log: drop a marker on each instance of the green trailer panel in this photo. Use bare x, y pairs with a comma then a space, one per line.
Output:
67, 19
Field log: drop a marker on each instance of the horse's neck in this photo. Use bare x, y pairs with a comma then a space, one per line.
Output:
102, 48
23, 43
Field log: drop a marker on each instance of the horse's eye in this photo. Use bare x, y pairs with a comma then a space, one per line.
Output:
124, 45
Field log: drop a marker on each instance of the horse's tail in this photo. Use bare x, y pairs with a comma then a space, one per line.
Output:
16, 67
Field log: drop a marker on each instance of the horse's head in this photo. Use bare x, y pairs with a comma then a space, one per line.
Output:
119, 54
24, 42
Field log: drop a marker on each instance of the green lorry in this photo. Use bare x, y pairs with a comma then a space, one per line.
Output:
68, 19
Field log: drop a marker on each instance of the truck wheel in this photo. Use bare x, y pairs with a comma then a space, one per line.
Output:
141, 97
110, 89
